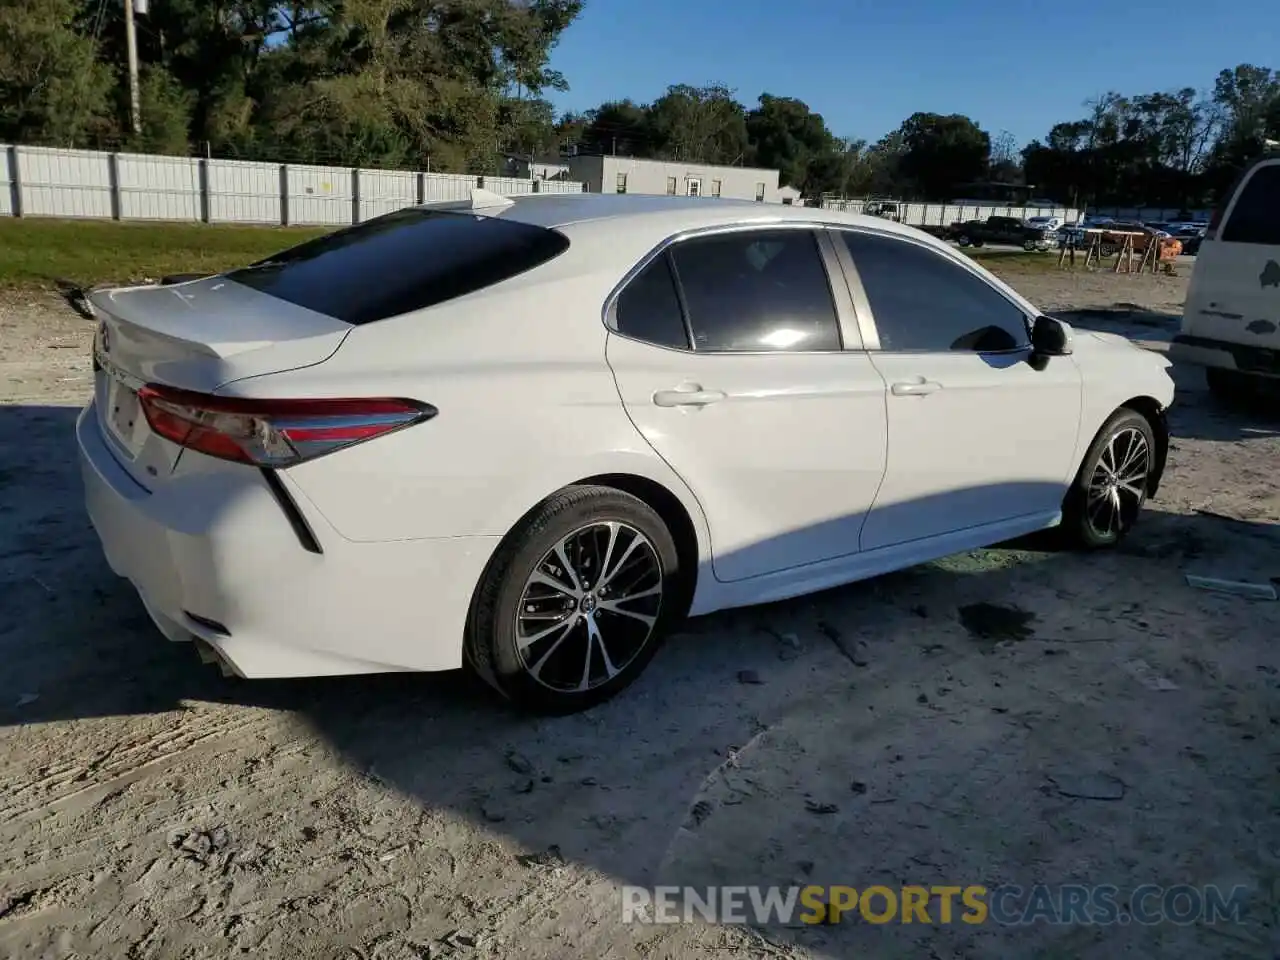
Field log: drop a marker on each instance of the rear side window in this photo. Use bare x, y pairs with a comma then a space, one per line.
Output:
400, 262
649, 309
758, 291
1255, 218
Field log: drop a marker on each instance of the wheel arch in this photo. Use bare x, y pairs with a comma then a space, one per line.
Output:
682, 517
1151, 410
674, 514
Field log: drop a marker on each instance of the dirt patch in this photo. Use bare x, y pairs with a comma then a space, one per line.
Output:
151, 809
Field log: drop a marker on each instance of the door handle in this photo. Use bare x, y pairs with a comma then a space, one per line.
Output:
687, 395
915, 388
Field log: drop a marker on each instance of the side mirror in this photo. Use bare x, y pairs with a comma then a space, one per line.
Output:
1050, 337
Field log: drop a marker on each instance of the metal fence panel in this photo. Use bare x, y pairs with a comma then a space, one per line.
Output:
65, 183
319, 195
244, 192
560, 186
158, 188
447, 186
8, 186
508, 186
385, 191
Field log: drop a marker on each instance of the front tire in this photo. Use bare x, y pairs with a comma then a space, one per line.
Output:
576, 601
1230, 387
1111, 487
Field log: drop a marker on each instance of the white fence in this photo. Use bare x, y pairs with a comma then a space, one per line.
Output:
43, 182
945, 214
1150, 214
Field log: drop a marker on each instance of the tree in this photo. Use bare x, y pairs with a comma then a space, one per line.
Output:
53, 90
784, 133
1005, 165
703, 124
618, 127
943, 152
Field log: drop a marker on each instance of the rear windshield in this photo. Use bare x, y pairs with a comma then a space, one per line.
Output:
400, 262
1255, 218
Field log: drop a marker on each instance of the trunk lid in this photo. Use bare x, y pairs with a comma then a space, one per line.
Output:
199, 336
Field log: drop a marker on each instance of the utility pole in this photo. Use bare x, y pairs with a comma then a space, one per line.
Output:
131, 41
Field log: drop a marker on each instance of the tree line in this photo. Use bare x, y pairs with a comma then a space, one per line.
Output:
452, 85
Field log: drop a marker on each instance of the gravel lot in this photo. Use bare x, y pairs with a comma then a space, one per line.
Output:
150, 808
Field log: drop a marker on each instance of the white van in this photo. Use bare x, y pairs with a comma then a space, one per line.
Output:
1231, 322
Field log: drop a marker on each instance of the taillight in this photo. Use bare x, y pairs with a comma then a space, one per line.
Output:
273, 433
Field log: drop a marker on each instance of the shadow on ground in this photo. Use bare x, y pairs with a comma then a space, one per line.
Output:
900, 730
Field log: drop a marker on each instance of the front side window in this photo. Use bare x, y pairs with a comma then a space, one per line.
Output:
757, 291
1256, 215
924, 302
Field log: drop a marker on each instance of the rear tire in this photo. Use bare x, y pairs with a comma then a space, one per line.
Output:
576, 601
1110, 489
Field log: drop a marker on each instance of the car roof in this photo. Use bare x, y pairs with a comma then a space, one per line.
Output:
613, 226
557, 210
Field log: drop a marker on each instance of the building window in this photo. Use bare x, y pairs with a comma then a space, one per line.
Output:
695, 187
759, 193
671, 186
715, 188
622, 183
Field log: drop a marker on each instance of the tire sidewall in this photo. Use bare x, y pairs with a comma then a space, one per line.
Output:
1077, 509
495, 623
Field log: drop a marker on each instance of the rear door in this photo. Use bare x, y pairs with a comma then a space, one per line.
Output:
1234, 293
749, 396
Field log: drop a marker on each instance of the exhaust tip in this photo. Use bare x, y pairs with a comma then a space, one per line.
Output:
209, 654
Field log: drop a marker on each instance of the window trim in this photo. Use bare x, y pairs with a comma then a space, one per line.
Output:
848, 322
866, 315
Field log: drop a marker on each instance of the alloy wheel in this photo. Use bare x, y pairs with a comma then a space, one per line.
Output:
589, 607
1118, 485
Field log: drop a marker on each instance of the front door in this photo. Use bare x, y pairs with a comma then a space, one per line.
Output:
749, 397
976, 434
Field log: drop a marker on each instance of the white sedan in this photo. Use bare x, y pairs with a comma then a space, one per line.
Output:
531, 434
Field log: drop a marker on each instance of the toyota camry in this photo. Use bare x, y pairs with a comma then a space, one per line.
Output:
530, 435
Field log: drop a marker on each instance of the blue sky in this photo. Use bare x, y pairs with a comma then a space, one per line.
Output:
866, 65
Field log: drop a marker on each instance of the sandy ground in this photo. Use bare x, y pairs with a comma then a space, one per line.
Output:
150, 808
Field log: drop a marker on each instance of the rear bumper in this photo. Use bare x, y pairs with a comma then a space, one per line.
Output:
1207, 352
215, 559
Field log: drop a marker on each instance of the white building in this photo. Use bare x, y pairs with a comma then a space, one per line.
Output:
674, 178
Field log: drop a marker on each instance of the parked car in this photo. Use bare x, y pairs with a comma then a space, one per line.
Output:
532, 434
1231, 321
1007, 230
